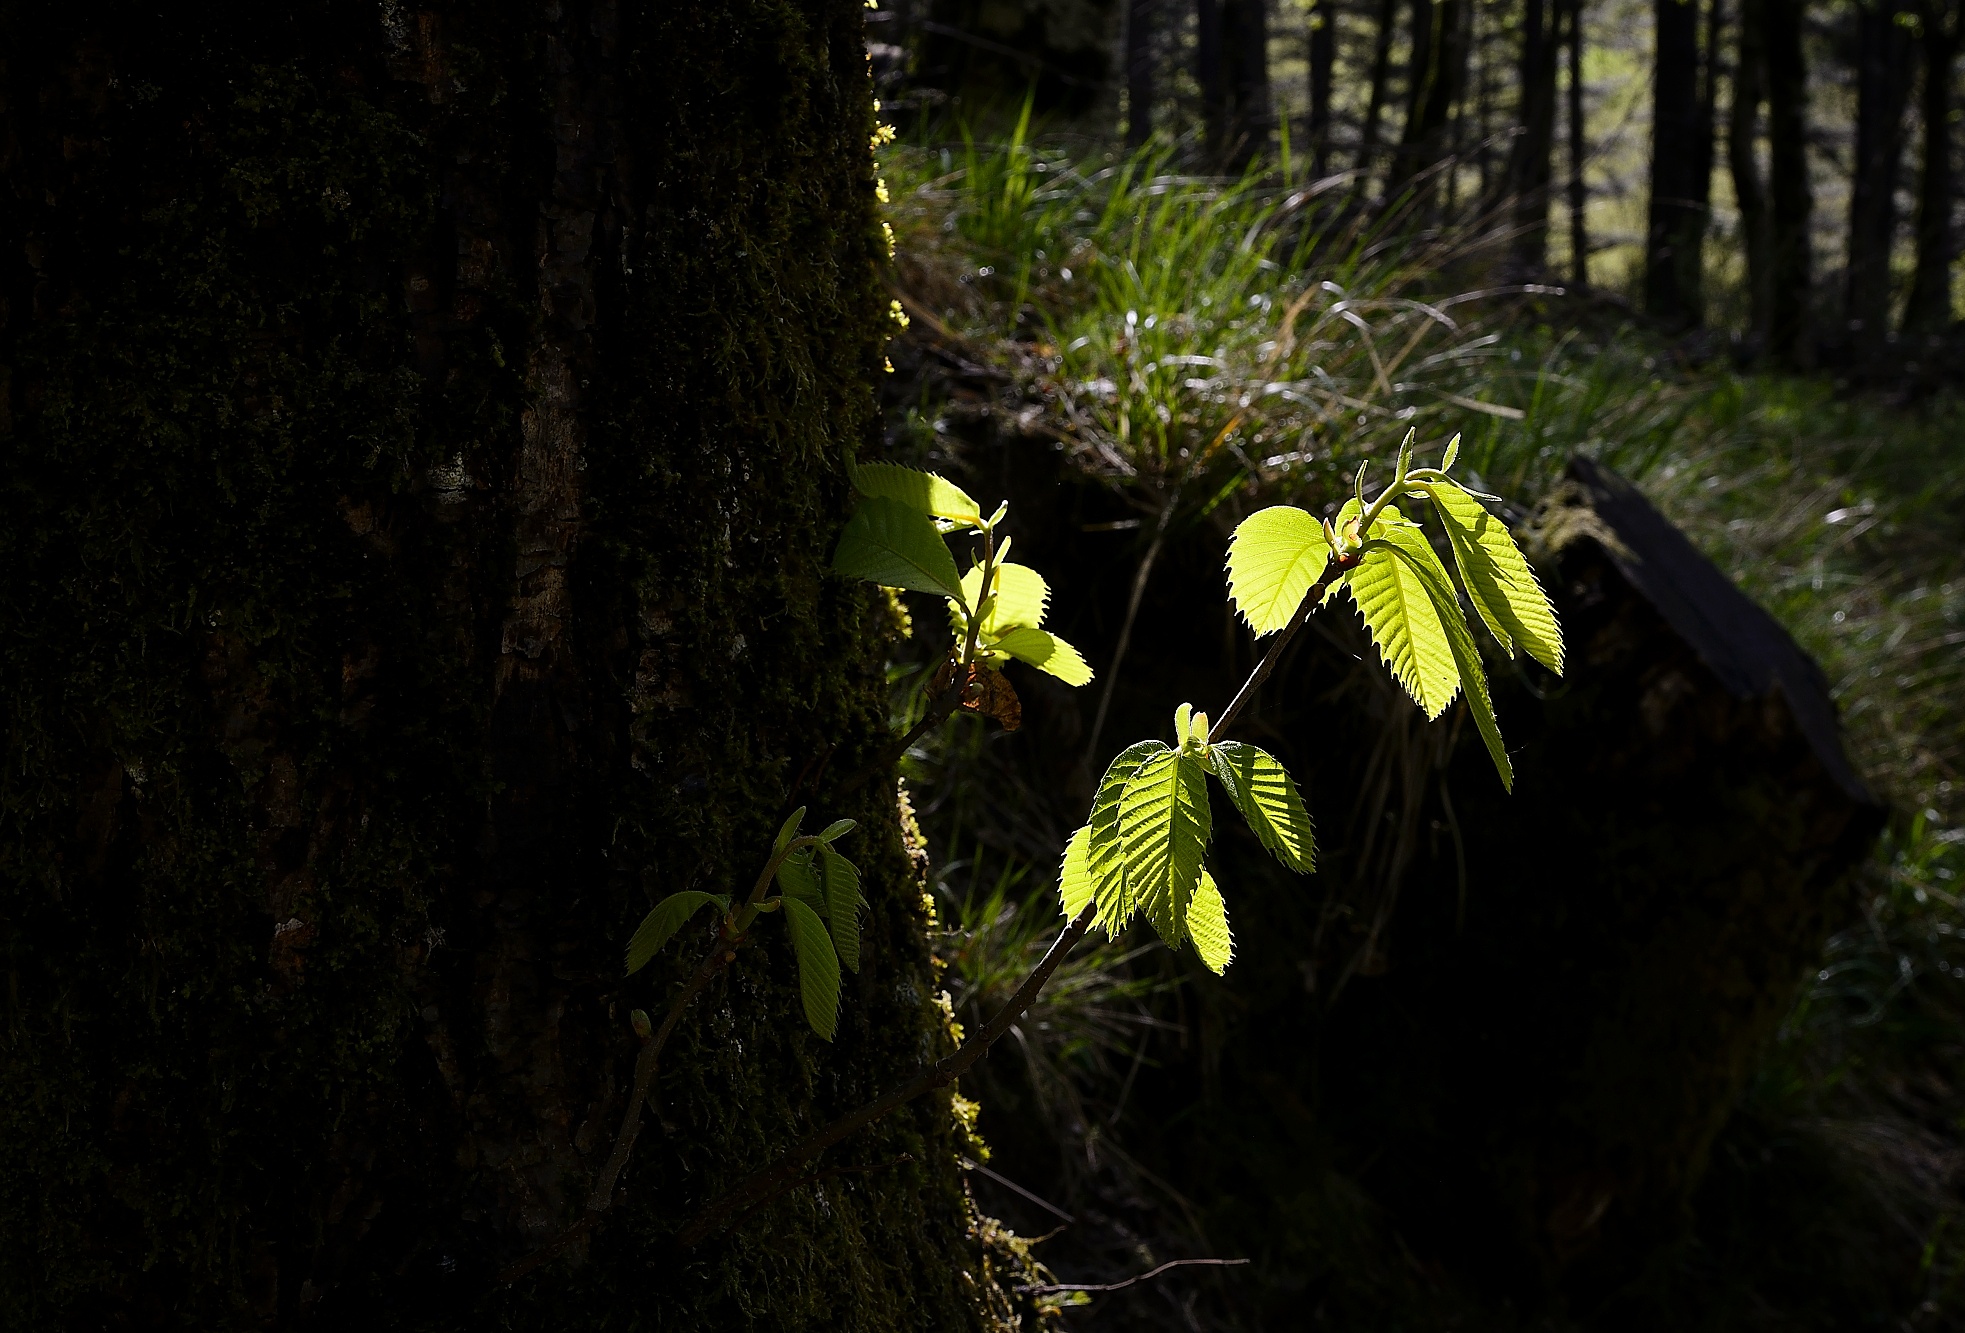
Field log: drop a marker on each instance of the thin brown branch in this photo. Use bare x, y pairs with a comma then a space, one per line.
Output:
1052, 1288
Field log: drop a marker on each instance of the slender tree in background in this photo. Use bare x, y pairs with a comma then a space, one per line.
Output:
1529, 162
1929, 309
368, 372
1884, 46
1579, 151
1140, 93
1322, 61
1232, 61
1383, 32
1676, 220
1749, 190
1438, 63
1791, 267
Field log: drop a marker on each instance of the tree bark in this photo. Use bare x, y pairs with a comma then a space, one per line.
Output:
1929, 309
1791, 266
1529, 165
1233, 55
1140, 93
1883, 82
1322, 59
1579, 234
1437, 63
1742, 135
423, 437
1381, 77
1676, 220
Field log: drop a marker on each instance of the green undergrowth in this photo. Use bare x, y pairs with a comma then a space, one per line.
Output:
1185, 339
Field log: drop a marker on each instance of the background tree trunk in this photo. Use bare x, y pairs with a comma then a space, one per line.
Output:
422, 446
1929, 309
1528, 169
1676, 220
1322, 55
1742, 133
1140, 94
1381, 77
1579, 236
1438, 60
1791, 267
1883, 83
1234, 69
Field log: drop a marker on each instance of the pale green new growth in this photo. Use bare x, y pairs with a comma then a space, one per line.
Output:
843, 903
1207, 926
1105, 858
1274, 557
924, 492
1047, 652
1403, 619
788, 831
888, 543
1415, 555
1262, 790
1018, 596
668, 917
1164, 824
838, 829
1498, 580
1075, 873
1010, 623
818, 967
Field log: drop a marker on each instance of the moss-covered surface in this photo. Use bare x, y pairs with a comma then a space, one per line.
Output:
360, 694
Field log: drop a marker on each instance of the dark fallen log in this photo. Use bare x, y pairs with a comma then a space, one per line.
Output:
1553, 1050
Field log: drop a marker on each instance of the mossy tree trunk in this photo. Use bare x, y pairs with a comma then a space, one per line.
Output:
422, 434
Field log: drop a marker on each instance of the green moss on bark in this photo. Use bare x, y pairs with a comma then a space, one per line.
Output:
315, 858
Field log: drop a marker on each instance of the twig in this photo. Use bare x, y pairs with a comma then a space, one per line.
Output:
1010, 1184
1270, 658
1052, 1288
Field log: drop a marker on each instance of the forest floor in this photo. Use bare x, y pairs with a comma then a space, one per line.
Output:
1843, 513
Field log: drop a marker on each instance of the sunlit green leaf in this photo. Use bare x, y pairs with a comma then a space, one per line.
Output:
843, 903
1047, 652
1498, 579
886, 542
1020, 593
1452, 453
660, 925
1273, 558
1403, 620
1164, 823
925, 492
1415, 554
1075, 873
839, 828
1207, 926
1105, 857
818, 967
1262, 790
